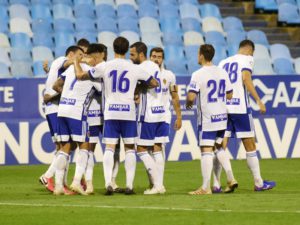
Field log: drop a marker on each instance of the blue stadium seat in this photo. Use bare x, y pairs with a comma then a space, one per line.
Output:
40, 11
146, 10
41, 25
212, 24
20, 25
21, 69
170, 24
288, 13
191, 52
63, 25
172, 38
210, 10
84, 10
41, 53
90, 36
20, 54
107, 38
131, 36
195, 2
279, 2
43, 39
106, 2
263, 67
235, 36
283, 66
174, 53
152, 39
193, 65
108, 24
4, 58
140, 2
43, 2
60, 50
189, 11
23, 2
178, 68
168, 11
232, 23
149, 25
105, 11
298, 3
297, 65
3, 26
129, 24
167, 2
258, 37
20, 40
3, 13
190, 24
126, 10
266, 5
79, 2
4, 2
65, 2
261, 52
85, 24
4, 70
232, 49
280, 51
193, 38
19, 11
62, 11
220, 54
38, 69
4, 41
63, 39
215, 38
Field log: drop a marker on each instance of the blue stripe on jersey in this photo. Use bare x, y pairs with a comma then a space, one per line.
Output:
87, 101
144, 106
199, 109
91, 76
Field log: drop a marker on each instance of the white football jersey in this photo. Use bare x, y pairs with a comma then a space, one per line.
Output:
235, 65
95, 114
152, 107
119, 78
56, 69
168, 79
76, 95
211, 84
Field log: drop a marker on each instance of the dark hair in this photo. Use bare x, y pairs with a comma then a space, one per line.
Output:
95, 48
158, 49
140, 47
105, 51
207, 51
83, 42
121, 45
247, 43
73, 48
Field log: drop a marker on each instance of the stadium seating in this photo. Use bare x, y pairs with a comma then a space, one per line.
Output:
3, 13
152, 39
20, 40
21, 69
20, 25
107, 38
170, 24
210, 10
84, 10
62, 11
232, 23
19, 11
41, 26
43, 39
20, 55
280, 51
4, 70
258, 37
263, 67
261, 53
149, 25
212, 24
3, 26
4, 58
4, 42
128, 24
283, 66
105, 11
148, 9
131, 36
38, 69
106, 2
189, 11
193, 38
109, 24
215, 37
43, 2
172, 38
90, 36
190, 24
126, 10
40, 11
288, 13
23, 2
85, 24
297, 65
63, 39
63, 25
41, 53
177, 68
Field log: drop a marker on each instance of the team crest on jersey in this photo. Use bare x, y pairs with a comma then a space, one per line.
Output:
165, 81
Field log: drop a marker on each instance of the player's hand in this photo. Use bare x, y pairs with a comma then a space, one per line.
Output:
188, 106
262, 107
137, 99
177, 124
88, 60
45, 66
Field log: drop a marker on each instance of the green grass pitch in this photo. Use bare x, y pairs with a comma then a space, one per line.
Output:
24, 201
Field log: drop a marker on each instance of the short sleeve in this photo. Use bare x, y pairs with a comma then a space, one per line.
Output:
194, 84
172, 79
97, 71
143, 74
248, 64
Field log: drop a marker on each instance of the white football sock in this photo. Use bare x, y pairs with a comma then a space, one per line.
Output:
225, 162
130, 165
81, 163
108, 163
253, 164
61, 163
217, 170
52, 168
150, 166
160, 165
116, 165
66, 172
90, 167
206, 168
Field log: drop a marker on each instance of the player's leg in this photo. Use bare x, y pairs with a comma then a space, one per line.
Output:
116, 169
245, 130
129, 134
146, 138
111, 136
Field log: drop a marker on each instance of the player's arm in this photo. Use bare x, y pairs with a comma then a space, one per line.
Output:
45, 66
80, 74
58, 85
176, 106
153, 83
50, 98
247, 80
229, 95
190, 98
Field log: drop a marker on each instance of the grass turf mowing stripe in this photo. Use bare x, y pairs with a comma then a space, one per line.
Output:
145, 207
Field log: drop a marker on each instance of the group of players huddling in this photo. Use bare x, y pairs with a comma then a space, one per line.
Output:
87, 96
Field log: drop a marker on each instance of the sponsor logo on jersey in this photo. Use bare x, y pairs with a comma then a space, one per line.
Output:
157, 109
218, 118
94, 113
67, 101
233, 101
119, 107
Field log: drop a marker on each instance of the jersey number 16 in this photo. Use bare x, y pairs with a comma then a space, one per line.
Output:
119, 82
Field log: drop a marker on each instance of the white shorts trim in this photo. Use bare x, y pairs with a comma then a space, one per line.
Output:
145, 142
162, 140
247, 134
207, 142
94, 140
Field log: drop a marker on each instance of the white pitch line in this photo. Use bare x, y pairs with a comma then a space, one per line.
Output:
146, 207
